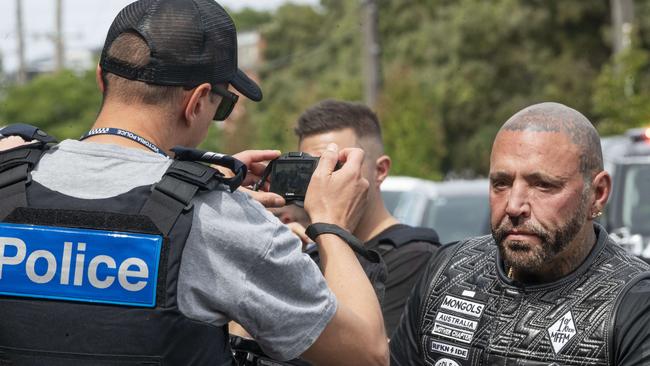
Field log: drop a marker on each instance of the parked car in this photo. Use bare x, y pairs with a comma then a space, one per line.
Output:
456, 209
627, 215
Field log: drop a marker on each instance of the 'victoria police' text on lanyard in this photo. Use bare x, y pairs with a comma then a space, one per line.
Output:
124, 133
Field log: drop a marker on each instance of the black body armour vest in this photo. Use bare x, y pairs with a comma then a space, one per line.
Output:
474, 315
78, 302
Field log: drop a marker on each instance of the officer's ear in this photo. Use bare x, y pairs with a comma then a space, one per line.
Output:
99, 79
382, 168
197, 104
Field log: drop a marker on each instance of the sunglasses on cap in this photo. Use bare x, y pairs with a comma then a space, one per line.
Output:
227, 104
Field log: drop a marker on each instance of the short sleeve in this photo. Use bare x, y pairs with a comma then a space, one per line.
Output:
632, 327
240, 263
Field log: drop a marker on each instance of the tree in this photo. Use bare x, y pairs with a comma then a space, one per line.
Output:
454, 71
64, 104
249, 19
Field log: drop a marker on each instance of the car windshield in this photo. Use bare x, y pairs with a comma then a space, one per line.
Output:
636, 199
458, 217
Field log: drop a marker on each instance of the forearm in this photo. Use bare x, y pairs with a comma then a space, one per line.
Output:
363, 329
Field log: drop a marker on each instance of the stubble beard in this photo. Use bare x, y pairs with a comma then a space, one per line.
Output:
522, 256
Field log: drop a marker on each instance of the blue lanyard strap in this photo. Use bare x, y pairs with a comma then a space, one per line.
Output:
126, 134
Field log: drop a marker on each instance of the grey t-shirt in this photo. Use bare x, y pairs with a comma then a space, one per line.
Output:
239, 263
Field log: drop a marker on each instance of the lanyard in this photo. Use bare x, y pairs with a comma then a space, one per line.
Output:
124, 133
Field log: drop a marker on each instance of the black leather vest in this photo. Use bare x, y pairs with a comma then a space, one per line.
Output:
474, 315
40, 331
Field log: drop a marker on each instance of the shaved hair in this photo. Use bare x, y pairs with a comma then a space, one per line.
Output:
556, 117
335, 115
133, 50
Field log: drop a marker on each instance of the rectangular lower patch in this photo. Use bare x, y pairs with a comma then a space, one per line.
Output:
456, 321
449, 349
451, 333
94, 266
462, 306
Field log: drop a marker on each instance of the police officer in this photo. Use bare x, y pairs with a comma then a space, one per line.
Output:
548, 287
113, 253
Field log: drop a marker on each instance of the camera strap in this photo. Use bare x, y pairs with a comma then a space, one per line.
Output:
319, 228
265, 175
240, 169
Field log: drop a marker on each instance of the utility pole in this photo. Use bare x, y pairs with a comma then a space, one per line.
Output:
58, 37
22, 73
622, 22
372, 52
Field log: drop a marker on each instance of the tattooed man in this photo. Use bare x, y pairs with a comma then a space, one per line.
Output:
548, 287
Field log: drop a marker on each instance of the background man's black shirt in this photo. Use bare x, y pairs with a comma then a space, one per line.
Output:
405, 264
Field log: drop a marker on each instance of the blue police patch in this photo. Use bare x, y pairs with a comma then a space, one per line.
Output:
79, 264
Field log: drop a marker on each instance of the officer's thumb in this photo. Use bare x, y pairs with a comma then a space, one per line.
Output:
329, 158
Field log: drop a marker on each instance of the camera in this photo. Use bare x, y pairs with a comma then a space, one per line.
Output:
291, 173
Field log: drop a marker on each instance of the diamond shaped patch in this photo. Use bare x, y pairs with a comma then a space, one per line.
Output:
562, 331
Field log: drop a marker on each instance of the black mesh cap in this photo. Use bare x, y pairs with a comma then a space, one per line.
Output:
191, 42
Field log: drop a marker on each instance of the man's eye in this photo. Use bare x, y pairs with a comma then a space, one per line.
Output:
544, 185
499, 184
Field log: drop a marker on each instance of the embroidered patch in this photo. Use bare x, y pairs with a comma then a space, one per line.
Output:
452, 333
446, 362
449, 349
561, 332
456, 321
465, 307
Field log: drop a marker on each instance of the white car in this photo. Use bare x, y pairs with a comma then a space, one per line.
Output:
456, 209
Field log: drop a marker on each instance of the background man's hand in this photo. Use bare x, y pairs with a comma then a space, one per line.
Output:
338, 197
299, 231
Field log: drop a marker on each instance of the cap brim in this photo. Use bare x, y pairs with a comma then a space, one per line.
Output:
246, 86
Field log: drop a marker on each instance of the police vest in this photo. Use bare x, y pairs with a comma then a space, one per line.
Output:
93, 282
472, 316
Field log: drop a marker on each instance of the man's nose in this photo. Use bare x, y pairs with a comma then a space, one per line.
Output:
518, 202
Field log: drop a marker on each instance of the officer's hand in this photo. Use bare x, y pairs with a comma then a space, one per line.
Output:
10, 142
338, 197
256, 161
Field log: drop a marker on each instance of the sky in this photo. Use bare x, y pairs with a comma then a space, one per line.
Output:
85, 24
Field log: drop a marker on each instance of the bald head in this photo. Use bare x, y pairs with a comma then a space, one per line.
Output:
555, 117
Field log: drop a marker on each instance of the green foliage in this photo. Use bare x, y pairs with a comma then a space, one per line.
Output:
454, 71
622, 95
413, 134
63, 104
249, 19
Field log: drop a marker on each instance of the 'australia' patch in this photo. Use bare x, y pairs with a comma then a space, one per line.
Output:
562, 331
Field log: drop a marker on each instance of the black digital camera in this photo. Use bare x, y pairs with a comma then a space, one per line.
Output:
291, 173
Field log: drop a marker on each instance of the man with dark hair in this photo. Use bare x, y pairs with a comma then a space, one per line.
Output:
405, 250
113, 253
548, 287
